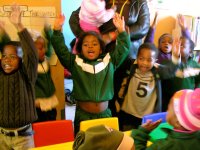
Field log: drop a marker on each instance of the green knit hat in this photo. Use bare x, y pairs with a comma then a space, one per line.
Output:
98, 138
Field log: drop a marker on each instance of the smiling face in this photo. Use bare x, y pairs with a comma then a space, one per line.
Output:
146, 59
91, 48
165, 44
10, 60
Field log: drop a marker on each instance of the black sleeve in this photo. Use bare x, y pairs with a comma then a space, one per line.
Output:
74, 23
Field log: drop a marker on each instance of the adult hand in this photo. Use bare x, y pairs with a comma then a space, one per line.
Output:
149, 125
59, 21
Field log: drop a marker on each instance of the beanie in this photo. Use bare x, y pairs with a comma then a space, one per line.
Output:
101, 137
187, 108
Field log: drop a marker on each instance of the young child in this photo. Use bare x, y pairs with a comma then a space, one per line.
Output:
46, 100
188, 76
93, 14
184, 115
103, 137
18, 74
92, 69
141, 90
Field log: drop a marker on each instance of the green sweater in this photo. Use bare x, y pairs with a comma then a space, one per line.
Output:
174, 141
92, 80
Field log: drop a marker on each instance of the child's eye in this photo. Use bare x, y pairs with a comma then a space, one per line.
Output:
85, 44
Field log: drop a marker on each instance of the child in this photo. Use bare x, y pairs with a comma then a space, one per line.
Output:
188, 76
17, 76
46, 100
93, 14
103, 137
141, 90
92, 70
184, 115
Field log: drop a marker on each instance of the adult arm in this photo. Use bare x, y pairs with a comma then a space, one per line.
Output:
74, 23
140, 28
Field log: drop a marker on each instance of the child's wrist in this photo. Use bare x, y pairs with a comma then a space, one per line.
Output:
112, 36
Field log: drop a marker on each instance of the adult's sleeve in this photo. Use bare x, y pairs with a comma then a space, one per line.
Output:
74, 23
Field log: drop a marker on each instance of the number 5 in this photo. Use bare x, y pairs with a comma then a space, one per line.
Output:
141, 90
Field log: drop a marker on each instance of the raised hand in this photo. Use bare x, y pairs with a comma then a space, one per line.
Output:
119, 23
15, 17
149, 125
181, 21
59, 21
176, 47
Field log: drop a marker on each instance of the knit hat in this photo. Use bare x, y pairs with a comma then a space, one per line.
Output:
102, 137
187, 108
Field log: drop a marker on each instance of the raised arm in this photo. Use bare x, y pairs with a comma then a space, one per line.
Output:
123, 41
58, 43
184, 29
30, 55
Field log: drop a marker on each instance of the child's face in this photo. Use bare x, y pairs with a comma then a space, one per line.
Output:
91, 48
146, 60
165, 44
185, 48
171, 117
10, 59
40, 45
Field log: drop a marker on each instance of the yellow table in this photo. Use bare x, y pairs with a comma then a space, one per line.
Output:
62, 146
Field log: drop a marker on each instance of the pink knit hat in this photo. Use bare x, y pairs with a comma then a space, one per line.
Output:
187, 108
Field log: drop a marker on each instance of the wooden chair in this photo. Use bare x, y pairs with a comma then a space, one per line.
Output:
52, 132
111, 122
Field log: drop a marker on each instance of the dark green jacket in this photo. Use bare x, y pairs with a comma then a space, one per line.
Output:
96, 83
174, 141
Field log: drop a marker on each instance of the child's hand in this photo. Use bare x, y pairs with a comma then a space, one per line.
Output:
119, 22
15, 15
59, 21
176, 47
181, 21
149, 125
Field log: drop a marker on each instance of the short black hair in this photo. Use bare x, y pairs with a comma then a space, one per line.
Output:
192, 45
81, 38
17, 46
150, 46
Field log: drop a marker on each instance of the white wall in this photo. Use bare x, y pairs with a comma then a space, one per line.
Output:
67, 7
